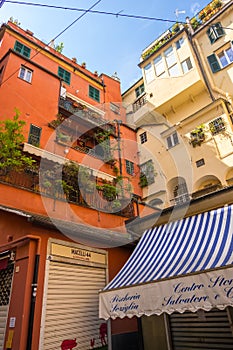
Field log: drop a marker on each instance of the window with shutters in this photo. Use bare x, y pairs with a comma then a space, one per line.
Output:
94, 93
172, 140
62, 73
215, 32
22, 49
34, 135
222, 58
225, 56
129, 167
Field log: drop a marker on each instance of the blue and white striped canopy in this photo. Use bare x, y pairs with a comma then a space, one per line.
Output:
196, 243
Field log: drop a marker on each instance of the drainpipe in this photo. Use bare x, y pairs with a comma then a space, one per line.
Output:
119, 122
33, 302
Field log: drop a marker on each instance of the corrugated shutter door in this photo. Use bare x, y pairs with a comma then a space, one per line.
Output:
72, 305
201, 330
5, 290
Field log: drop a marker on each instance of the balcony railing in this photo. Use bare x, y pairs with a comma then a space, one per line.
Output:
29, 180
141, 101
86, 114
184, 198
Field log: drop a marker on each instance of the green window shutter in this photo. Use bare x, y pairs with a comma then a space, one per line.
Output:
62, 73
219, 29
210, 33
213, 62
94, 93
34, 135
22, 49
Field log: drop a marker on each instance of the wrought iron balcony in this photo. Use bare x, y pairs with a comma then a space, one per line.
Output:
86, 114
141, 101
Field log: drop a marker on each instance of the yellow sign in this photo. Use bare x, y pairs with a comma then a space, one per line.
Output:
9, 339
77, 253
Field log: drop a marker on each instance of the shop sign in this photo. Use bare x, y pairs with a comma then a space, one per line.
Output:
201, 291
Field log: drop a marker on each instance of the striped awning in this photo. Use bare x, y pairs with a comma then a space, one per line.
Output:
194, 245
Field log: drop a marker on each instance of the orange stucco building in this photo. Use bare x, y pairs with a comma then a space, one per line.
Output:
62, 222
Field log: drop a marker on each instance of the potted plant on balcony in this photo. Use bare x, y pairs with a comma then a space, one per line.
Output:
215, 4
194, 23
176, 28
197, 136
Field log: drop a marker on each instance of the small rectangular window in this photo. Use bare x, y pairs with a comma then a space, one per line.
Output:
94, 93
22, 49
226, 56
25, 74
186, 65
62, 73
200, 162
139, 90
172, 140
179, 43
34, 135
115, 108
143, 137
129, 167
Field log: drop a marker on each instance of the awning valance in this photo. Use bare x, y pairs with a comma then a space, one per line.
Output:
180, 261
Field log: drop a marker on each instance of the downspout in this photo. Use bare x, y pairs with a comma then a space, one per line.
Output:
33, 302
199, 60
119, 122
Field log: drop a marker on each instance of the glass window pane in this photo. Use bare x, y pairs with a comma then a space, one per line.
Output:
174, 71
149, 73
159, 66
229, 53
223, 59
170, 57
22, 72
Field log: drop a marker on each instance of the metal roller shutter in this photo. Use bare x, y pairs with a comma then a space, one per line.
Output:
201, 330
72, 305
5, 291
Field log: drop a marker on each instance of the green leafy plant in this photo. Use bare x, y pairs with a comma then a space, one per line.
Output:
197, 136
11, 140
59, 48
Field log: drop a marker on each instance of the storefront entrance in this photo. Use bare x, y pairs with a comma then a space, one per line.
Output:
202, 330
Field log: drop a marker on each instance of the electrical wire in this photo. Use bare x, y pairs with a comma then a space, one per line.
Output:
115, 14
57, 36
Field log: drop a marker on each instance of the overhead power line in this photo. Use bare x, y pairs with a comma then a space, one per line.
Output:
115, 14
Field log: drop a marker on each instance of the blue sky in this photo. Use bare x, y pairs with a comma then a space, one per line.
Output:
106, 43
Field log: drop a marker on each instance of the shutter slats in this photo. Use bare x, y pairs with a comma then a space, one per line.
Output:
72, 305
211, 330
